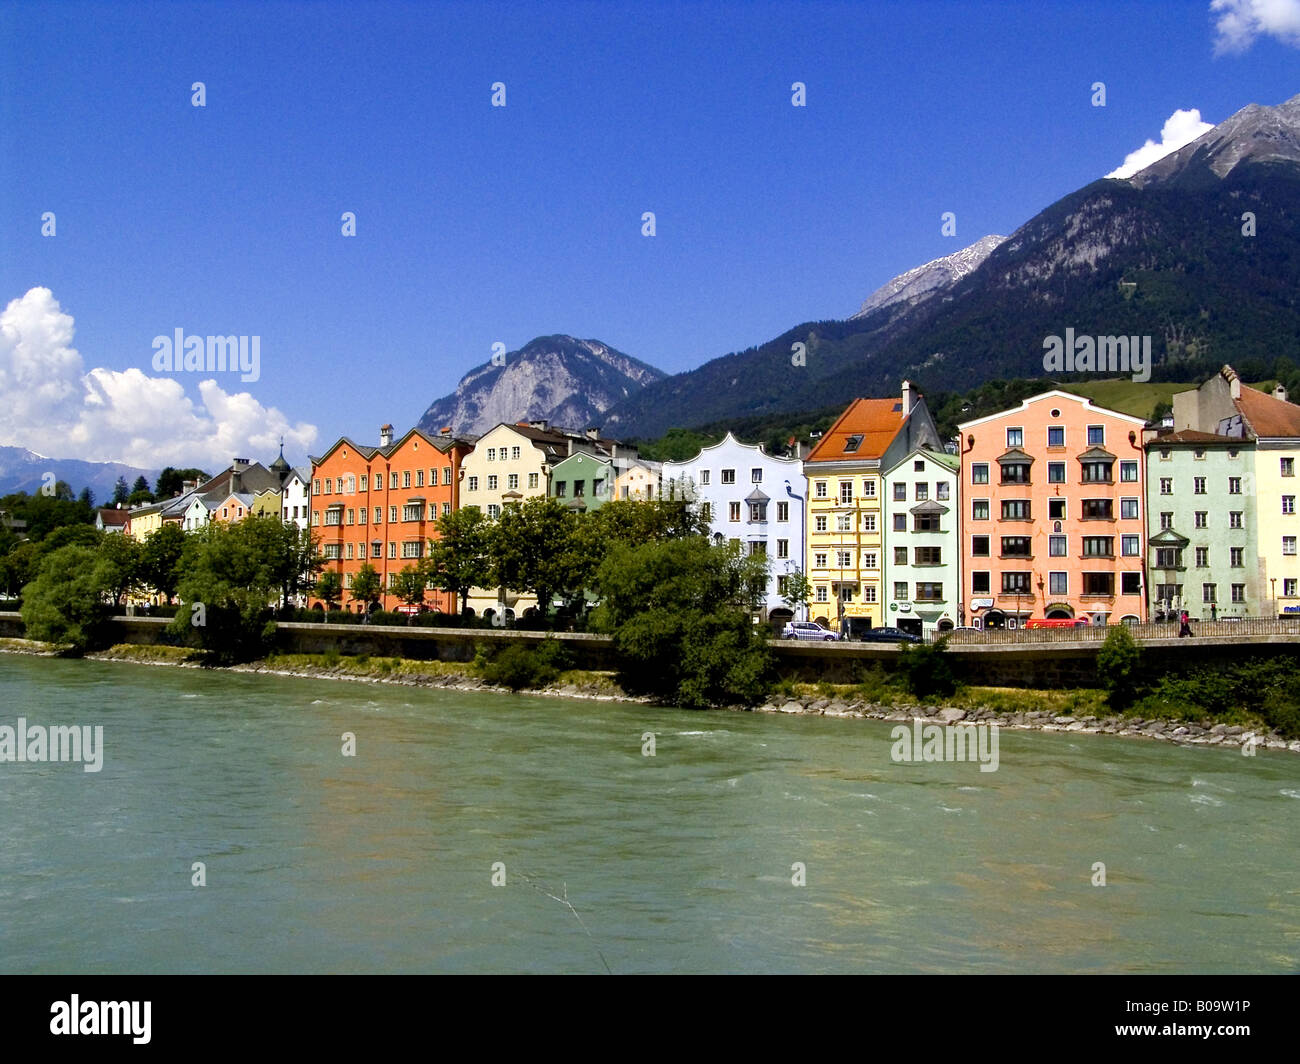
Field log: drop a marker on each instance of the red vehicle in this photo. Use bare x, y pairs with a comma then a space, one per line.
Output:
1057, 622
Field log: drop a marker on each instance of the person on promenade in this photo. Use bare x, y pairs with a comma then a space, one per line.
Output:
1186, 627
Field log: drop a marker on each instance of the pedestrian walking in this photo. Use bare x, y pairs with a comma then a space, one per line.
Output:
1186, 627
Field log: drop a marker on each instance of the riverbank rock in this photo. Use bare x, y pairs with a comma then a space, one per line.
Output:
951, 716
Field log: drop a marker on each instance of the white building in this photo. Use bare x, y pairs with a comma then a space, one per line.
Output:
921, 574
295, 498
751, 498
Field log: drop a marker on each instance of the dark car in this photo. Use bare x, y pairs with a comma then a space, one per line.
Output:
888, 635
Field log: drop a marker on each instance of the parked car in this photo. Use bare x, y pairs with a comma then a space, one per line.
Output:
806, 630
1058, 622
888, 635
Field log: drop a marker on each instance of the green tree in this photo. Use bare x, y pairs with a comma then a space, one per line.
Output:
409, 586
329, 588
798, 589
121, 492
160, 559
87, 498
533, 549
19, 567
118, 565
459, 558
679, 611
926, 669
367, 587
141, 485
1118, 665
170, 481
64, 604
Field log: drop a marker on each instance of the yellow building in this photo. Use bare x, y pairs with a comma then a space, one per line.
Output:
845, 490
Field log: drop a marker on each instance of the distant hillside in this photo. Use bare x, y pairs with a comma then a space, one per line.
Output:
24, 470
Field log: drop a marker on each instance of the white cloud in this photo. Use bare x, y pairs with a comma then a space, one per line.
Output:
1239, 22
53, 405
1180, 128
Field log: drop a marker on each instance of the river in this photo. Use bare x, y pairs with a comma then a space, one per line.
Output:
684, 861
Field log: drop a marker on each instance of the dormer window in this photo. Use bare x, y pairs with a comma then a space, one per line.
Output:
853, 443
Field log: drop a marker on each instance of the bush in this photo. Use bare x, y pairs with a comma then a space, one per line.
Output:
518, 666
1117, 664
1282, 711
926, 670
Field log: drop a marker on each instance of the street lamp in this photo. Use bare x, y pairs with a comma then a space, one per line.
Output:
1273, 580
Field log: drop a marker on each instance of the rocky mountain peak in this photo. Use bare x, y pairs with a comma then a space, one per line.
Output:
922, 282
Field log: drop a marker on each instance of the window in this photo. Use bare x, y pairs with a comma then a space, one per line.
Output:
1128, 509
1058, 583
844, 523
819, 523
1238, 592
1166, 519
979, 583
333, 516
379, 482
819, 488
929, 592
493, 510
446, 474
941, 491
1288, 544
1099, 584
315, 486
782, 585
493, 481
331, 551
922, 492
1097, 471
1015, 472
1015, 582
900, 589
379, 515
1055, 435
514, 453
406, 478
821, 593
1208, 592
868, 522
1202, 557
900, 522
1169, 558
852, 444
783, 548
492, 454
704, 476
1056, 509
918, 466
844, 559
1289, 588
868, 594
1165, 454
979, 546
733, 511
1166, 485
979, 510
1130, 546
446, 509
472, 485
1234, 485
846, 492
1235, 557
706, 511
392, 550
900, 492
1199, 454
561, 489
819, 560
1098, 546
412, 550
869, 560
1128, 472
1096, 435
1015, 509
1166, 593
783, 511
392, 480
900, 555
757, 511
532, 480
352, 516
925, 523
1198, 485
979, 473
348, 551
1056, 472
512, 481
756, 476
1130, 583
1016, 547
868, 489
1234, 519
759, 548
1288, 504
1202, 518
392, 513
928, 556
412, 511
1098, 510
376, 549
1288, 467
728, 476
419, 478
1015, 438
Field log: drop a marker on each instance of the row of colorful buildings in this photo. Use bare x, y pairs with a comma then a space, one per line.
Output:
1056, 508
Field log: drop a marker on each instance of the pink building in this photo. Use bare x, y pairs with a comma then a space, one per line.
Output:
1052, 526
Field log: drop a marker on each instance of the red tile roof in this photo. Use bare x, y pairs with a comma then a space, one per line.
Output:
1192, 436
1268, 416
877, 421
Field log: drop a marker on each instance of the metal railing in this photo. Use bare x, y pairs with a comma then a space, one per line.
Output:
1246, 626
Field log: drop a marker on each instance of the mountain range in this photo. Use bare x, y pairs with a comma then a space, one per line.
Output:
24, 470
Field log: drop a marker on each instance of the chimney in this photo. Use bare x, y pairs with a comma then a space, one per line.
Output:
385, 435
1280, 392
538, 424
593, 434
445, 430
908, 398
238, 465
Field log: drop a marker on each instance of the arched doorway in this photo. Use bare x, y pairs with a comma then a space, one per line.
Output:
945, 625
995, 619
1060, 613
779, 618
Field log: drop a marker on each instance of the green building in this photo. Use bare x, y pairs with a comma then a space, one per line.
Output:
583, 481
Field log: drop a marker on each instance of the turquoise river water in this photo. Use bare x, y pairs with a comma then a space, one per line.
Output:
683, 861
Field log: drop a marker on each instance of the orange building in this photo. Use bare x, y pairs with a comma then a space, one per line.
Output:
379, 505
1053, 522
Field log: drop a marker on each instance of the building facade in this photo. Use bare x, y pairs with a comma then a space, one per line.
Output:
1052, 517
920, 562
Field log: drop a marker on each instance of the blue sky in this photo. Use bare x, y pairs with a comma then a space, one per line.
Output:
477, 224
